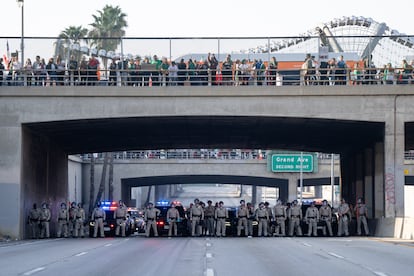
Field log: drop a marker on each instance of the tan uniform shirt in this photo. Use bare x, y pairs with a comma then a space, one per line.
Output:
221, 212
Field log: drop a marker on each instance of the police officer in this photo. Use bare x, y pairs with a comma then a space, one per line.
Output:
250, 218
34, 217
196, 216
72, 218
295, 216
44, 219
120, 215
312, 218
280, 218
325, 213
270, 215
98, 216
172, 217
150, 218
63, 220
209, 218
361, 214
80, 220
241, 213
343, 212
262, 216
221, 214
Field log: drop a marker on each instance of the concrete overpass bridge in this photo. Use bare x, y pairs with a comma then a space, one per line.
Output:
369, 126
129, 173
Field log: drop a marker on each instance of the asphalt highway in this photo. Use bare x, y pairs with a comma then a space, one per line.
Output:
138, 255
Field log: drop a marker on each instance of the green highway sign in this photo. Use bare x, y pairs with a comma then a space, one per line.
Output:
292, 162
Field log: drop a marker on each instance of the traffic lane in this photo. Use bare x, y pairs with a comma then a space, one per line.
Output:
19, 258
109, 256
299, 256
371, 253
274, 256
139, 256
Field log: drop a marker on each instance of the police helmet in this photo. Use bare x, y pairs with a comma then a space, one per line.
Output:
150, 204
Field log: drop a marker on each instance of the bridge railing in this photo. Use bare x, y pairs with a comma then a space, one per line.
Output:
208, 77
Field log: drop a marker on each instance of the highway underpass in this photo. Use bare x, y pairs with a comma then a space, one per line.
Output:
365, 125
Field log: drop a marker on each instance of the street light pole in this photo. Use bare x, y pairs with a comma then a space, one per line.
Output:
21, 5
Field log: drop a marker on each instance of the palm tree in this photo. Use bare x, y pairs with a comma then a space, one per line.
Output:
74, 34
70, 36
108, 28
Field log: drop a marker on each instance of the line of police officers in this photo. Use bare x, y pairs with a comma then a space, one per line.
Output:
73, 220
68, 221
211, 220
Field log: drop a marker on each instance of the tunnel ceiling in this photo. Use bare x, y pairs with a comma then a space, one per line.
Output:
187, 132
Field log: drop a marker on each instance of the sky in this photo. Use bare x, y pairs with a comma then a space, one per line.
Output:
191, 18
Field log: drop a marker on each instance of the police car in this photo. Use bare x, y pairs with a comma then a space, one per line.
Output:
110, 222
137, 219
162, 222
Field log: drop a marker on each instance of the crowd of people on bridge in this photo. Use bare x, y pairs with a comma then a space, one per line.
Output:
155, 71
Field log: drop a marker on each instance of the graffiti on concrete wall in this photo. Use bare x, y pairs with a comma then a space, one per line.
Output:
389, 192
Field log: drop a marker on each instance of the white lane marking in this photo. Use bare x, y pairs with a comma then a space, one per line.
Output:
209, 272
336, 255
109, 244
80, 254
207, 239
307, 244
208, 244
33, 271
379, 273
209, 255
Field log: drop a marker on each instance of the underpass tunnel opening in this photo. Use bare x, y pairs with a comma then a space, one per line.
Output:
47, 145
138, 191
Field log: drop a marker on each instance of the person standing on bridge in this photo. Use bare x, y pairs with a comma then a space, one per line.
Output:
44, 219
280, 218
295, 216
343, 212
325, 213
241, 214
150, 218
221, 214
120, 215
196, 216
98, 216
172, 217
361, 214
63, 220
